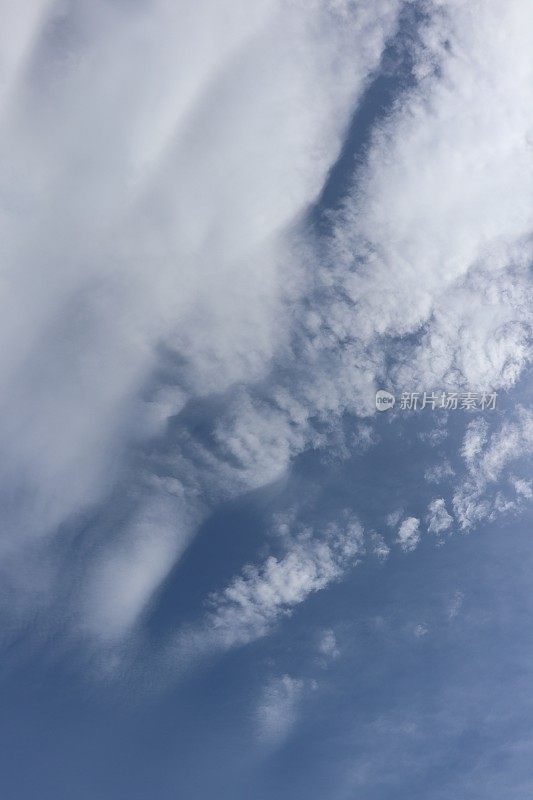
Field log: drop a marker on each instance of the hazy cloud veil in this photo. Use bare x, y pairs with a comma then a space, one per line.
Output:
177, 327
155, 157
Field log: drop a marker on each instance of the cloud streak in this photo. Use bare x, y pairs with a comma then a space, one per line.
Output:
253, 602
180, 332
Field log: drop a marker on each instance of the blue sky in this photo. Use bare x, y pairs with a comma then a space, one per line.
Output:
223, 572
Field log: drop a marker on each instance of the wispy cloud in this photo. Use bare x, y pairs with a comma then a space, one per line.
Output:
278, 708
251, 604
179, 335
147, 261
327, 644
439, 472
379, 546
486, 458
438, 519
409, 534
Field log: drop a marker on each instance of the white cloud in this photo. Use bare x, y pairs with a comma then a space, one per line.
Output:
455, 605
438, 520
437, 434
278, 708
432, 264
145, 211
255, 600
418, 244
20, 28
152, 249
409, 534
327, 644
487, 458
513, 440
439, 472
120, 586
522, 487
379, 546
393, 518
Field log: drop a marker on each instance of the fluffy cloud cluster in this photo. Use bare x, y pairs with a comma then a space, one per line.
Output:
254, 601
155, 158
487, 457
409, 534
435, 237
438, 519
178, 330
